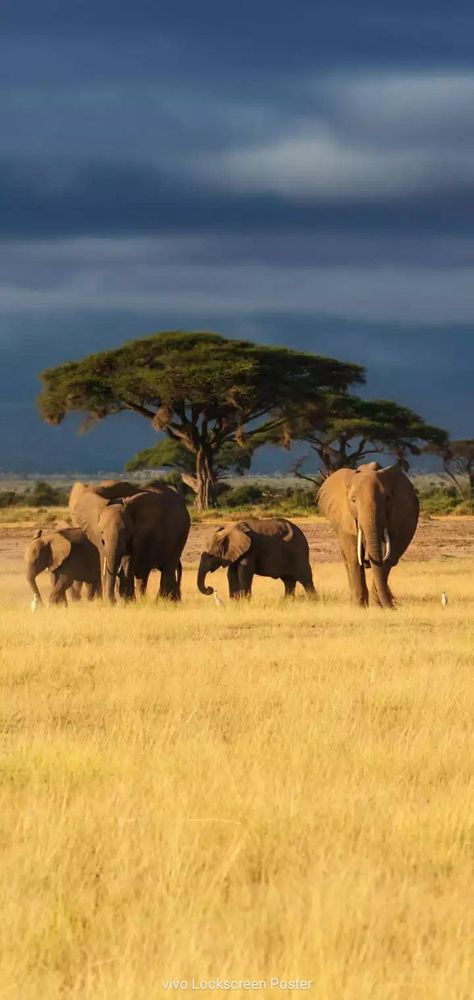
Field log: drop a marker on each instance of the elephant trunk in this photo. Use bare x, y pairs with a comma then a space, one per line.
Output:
110, 568
31, 577
206, 566
109, 585
377, 551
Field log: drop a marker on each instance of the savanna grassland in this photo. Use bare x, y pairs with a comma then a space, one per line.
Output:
253, 791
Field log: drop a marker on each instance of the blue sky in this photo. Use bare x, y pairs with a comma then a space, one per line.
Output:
296, 173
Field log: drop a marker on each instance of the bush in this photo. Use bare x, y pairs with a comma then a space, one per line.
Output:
243, 496
438, 501
45, 495
8, 498
301, 496
41, 495
464, 507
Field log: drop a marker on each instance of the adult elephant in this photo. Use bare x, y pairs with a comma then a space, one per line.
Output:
270, 546
375, 513
71, 559
134, 534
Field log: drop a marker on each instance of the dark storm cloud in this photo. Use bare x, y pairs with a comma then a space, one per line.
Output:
295, 173
266, 34
109, 199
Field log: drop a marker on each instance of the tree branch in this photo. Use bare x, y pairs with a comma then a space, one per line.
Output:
142, 410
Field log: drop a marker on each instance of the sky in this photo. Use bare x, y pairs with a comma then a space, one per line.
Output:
296, 173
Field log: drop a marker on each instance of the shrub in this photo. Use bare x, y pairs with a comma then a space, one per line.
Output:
8, 498
438, 501
464, 507
243, 496
45, 495
301, 496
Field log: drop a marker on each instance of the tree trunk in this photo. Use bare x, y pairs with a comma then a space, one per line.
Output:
454, 480
470, 476
205, 480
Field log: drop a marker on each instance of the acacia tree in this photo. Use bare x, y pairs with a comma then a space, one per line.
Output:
198, 388
346, 430
458, 463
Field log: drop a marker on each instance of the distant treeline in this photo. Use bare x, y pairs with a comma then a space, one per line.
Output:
256, 496
42, 494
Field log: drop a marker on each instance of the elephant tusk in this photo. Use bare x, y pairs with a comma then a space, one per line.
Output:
388, 547
104, 570
359, 547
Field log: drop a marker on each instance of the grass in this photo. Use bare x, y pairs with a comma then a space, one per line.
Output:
267, 789
18, 516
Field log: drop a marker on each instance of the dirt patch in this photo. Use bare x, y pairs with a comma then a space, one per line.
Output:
448, 537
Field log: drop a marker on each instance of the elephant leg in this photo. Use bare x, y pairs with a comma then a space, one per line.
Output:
126, 580
122, 583
75, 591
290, 586
374, 597
240, 581
233, 581
94, 590
61, 583
169, 587
306, 580
244, 572
142, 583
357, 583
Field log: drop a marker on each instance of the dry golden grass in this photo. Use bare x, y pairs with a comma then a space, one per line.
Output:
263, 790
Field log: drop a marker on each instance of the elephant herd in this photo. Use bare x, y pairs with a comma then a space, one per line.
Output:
122, 532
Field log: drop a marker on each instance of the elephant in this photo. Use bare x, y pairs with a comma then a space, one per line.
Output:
375, 513
134, 534
270, 546
71, 559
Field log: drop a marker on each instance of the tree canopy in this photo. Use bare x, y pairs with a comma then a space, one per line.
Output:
200, 389
345, 430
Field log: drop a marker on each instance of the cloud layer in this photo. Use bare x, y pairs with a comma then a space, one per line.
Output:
305, 175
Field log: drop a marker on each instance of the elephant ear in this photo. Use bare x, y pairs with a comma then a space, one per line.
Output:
233, 544
78, 491
332, 501
86, 508
369, 467
404, 508
112, 489
60, 548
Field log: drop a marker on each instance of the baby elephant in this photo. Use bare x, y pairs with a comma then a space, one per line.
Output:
71, 559
267, 546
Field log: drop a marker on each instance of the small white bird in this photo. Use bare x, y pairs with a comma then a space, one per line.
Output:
35, 604
220, 604
444, 599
